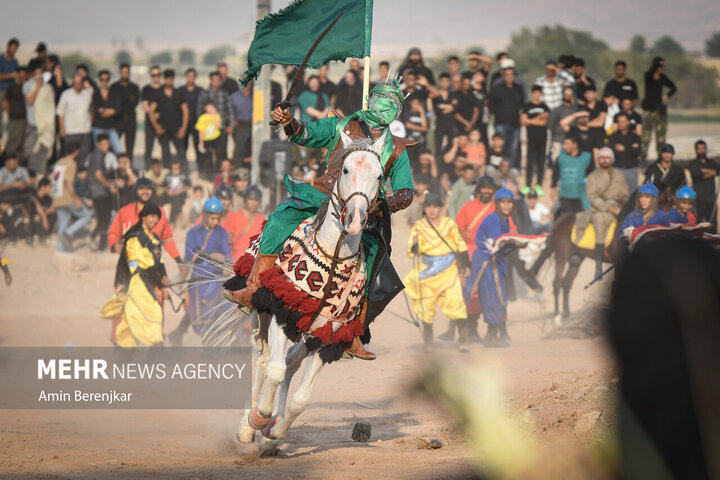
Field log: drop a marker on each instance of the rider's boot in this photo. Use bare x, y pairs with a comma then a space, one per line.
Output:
356, 349
244, 296
599, 256
428, 337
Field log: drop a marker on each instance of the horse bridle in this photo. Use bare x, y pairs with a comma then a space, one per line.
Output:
335, 195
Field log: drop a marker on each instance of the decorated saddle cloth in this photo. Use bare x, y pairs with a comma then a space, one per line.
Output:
296, 287
586, 239
650, 232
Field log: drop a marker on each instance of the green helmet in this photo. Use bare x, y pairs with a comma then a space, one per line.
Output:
386, 100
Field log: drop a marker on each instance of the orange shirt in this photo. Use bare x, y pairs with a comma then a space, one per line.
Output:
475, 153
469, 219
127, 216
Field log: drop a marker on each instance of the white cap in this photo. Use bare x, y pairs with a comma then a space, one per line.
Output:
507, 63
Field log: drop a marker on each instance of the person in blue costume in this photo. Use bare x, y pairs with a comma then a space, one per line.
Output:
206, 244
384, 105
682, 212
647, 212
489, 270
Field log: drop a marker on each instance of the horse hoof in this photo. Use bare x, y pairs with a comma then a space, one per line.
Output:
557, 320
245, 433
255, 421
267, 429
268, 448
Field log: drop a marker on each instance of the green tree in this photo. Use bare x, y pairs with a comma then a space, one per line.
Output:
712, 45
186, 56
666, 45
123, 56
638, 44
70, 62
218, 54
160, 58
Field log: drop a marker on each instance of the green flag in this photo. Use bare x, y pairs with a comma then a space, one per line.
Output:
285, 37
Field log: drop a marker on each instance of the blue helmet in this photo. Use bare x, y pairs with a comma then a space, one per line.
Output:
223, 191
648, 189
685, 193
213, 205
504, 192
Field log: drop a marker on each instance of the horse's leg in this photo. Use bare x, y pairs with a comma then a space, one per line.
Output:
573, 269
262, 355
560, 261
274, 375
301, 398
296, 355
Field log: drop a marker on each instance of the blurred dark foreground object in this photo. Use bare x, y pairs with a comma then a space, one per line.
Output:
664, 325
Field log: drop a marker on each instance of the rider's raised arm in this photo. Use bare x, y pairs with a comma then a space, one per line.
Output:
316, 134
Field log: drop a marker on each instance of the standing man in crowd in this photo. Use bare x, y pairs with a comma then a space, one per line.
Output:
570, 172
169, 116
534, 118
72, 214
664, 174
467, 110
704, 170
622, 87
655, 104
191, 92
444, 110
74, 116
506, 102
230, 85
101, 189
40, 133
583, 82
8, 70
14, 105
557, 114
106, 106
149, 94
127, 95
553, 83
223, 105
625, 144
242, 102
607, 190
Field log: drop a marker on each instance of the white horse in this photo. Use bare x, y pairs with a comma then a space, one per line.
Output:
341, 226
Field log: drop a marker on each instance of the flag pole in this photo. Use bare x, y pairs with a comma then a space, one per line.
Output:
366, 82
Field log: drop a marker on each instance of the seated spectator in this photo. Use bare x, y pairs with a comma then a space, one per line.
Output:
449, 177
196, 204
475, 151
540, 217
456, 147
177, 184
81, 185
225, 176
242, 180
14, 181
497, 151
72, 214
42, 213
13, 221
125, 177
157, 175
462, 190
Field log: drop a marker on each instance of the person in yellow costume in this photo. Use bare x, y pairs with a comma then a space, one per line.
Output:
440, 253
141, 275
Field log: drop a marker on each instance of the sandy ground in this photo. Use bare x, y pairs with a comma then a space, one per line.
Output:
551, 386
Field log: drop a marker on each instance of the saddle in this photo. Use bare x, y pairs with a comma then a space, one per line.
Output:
587, 236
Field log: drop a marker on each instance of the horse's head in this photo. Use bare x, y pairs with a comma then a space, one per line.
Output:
358, 182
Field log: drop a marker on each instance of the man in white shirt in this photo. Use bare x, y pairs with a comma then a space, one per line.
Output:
40, 107
74, 118
540, 216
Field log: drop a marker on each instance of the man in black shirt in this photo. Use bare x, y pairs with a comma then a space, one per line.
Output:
169, 115
654, 104
128, 94
14, 104
534, 118
582, 81
230, 85
626, 107
105, 107
621, 86
444, 111
664, 174
148, 97
414, 61
598, 111
626, 145
412, 88
588, 138
506, 101
703, 171
191, 92
467, 109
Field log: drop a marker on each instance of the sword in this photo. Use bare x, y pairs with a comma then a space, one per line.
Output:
600, 277
286, 103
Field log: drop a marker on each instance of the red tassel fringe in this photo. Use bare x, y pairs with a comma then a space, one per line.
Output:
274, 280
243, 265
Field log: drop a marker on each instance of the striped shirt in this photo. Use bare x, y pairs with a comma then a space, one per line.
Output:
552, 91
